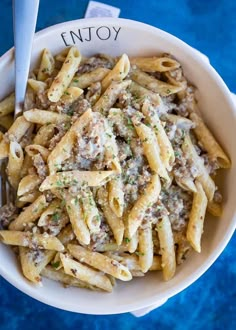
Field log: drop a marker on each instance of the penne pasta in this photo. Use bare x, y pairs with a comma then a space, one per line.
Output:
74, 210
109, 97
116, 224
63, 149
76, 178
146, 200
196, 218
153, 64
60, 276
86, 274
118, 73
45, 117
100, 262
208, 141
90, 211
86, 79
145, 247
153, 84
27, 239
65, 75
46, 66
165, 235
166, 149
151, 149
116, 196
15, 162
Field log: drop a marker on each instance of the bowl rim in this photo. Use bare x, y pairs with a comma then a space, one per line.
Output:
152, 300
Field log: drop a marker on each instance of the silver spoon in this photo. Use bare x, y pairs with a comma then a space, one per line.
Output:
24, 21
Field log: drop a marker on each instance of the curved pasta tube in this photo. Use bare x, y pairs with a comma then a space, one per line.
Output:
85, 273
118, 73
168, 261
15, 162
27, 239
90, 211
109, 97
61, 276
196, 218
47, 65
151, 149
34, 149
15, 133
65, 75
100, 262
74, 210
166, 151
145, 247
153, 84
153, 64
111, 150
149, 197
116, 224
76, 178
71, 95
208, 142
63, 149
116, 196
88, 78
28, 183
45, 117
37, 86
32, 270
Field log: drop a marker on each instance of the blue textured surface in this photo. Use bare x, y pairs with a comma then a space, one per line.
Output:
210, 303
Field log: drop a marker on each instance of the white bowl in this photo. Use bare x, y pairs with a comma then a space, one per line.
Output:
215, 102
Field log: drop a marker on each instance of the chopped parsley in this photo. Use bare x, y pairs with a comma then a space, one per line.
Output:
56, 264
127, 240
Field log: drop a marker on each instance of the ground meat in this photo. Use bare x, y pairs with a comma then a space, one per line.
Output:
40, 166
94, 62
178, 203
186, 103
124, 99
79, 107
184, 167
42, 101
60, 131
55, 223
8, 213
91, 144
36, 256
124, 150
136, 174
210, 164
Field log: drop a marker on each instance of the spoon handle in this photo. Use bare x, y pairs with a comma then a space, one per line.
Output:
24, 21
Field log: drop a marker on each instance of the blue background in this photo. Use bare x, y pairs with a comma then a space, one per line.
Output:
210, 303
